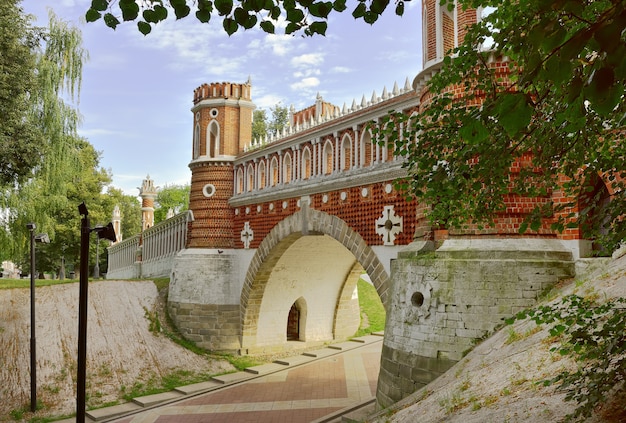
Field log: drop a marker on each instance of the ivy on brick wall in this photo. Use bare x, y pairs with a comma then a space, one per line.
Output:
529, 106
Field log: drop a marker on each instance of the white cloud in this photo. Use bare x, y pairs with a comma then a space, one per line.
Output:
305, 83
306, 73
340, 69
308, 59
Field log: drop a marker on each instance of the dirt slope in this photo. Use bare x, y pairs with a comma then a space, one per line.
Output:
121, 350
498, 380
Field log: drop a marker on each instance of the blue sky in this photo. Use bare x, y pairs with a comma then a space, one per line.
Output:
137, 91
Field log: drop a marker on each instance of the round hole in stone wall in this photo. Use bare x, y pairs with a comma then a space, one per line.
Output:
417, 299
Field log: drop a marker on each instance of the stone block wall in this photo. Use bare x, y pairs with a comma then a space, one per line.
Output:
442, 301
210, 326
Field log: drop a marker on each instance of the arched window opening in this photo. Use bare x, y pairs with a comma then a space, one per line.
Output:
239, 181
346, 153
213, 139
306, 163
367, 152
287, 177
274, 172
262, 175
196, 142
250, 178
328, 158
296, 321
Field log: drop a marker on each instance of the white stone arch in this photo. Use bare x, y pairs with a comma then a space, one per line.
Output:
345, 156
306, 163
283, 236
250, 178
287, 168
213, 139
328, 158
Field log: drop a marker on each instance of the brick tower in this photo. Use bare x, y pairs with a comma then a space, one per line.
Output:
148, 194
222, 126
205, 291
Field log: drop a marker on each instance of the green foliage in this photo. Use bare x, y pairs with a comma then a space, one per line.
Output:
595, 336
558, 112
174, 197
262, 128
307, 17
372, 307
18, 134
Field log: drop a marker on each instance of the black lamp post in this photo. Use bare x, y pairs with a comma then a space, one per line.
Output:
33, 343
107, 232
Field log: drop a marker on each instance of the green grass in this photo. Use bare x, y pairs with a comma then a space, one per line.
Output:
372, 307
25, 283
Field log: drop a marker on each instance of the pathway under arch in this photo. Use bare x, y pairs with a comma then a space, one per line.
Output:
316, 259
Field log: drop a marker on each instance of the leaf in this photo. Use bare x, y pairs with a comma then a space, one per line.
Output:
92, 15
111, 21
295, 15
339, 5
379, 6
268, 27
203, 15
514, 113
400, 8
224, 7
130, 10
318, 27
230, 26
321, 9
160, 13
99, 5
182, 11
144, 27
359, 11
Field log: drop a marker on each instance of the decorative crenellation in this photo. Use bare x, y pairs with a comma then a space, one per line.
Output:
223, 90
324, 112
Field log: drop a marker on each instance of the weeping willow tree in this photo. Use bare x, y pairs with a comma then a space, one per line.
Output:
46, 87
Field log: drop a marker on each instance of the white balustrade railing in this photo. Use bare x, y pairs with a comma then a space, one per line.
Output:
154, 257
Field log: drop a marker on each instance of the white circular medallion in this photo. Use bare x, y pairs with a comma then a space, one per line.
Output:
388, 188
258, 209
271, 206
325, 198
344, 195
285, 204
364, 192
208, 190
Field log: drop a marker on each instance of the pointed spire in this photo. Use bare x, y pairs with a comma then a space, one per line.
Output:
354, 106
385, 94
374, 99
363, 102
407, 85
396, 90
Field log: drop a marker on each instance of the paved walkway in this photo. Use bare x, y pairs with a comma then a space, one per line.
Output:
312, 387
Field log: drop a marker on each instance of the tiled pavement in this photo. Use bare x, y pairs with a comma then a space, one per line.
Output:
316, 386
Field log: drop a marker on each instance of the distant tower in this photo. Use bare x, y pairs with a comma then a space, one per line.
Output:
148, 194
117, 223
222, 119
443, 29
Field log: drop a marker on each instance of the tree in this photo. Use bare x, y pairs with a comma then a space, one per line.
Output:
308, 17
557, 111
18, 134
262, 128
259, 124
40, 192
171, 197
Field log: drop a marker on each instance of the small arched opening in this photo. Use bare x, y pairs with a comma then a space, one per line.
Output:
296, 320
